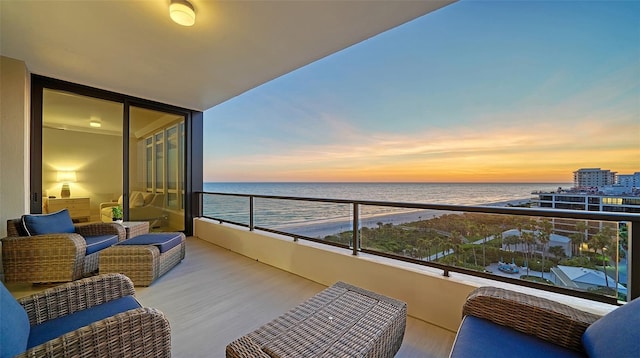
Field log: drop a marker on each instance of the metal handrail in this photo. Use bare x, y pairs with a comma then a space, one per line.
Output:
633, 261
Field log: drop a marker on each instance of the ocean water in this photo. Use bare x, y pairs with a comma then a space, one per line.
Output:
426, 193
281, 214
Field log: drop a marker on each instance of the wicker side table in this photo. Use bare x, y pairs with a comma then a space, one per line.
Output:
341, 321
135, 228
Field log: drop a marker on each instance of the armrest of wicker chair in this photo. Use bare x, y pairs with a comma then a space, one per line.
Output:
99, 228
141, 332
543, 318
75, 296
43, 258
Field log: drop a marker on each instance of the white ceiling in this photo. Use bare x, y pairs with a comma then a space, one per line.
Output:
133, 47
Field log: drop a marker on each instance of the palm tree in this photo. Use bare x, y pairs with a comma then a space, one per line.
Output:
455, 241
529, 240
511, 240
557, 251
424, 248
483, 232
437, 242
578, 237
543, 235
602, 241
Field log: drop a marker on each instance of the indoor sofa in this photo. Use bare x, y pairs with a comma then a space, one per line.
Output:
503, 323
51, 248
143, 206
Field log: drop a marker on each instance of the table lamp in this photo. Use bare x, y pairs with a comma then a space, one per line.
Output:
66, 177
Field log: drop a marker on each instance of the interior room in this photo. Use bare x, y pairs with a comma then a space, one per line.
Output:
82, 160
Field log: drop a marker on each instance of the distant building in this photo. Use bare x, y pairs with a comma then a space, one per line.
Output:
572, 200
593, 178
630, 181
584, 278
595, 190
554, 240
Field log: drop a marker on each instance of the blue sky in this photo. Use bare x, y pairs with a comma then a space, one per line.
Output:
479, 91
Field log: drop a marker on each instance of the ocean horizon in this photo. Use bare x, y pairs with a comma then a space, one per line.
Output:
456, 193
316, 219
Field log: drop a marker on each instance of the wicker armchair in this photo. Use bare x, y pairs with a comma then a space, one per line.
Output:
124, 332
52, 257
498, 322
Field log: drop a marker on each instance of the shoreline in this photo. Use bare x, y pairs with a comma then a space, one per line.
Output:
326, 228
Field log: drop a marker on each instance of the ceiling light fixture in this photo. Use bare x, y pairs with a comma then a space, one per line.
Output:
182, 12
95, 124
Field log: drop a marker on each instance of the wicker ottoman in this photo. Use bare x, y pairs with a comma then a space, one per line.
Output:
341, 321
145, 257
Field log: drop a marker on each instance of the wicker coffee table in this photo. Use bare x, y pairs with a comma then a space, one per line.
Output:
341, 321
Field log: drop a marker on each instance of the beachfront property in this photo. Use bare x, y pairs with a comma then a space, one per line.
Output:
595, 189
105, 99
577, 200
593, 178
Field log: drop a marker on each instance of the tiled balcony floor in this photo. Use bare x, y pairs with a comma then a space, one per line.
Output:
215, 296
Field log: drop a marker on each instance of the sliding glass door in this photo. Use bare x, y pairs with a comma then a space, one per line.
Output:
92, 150
156, 168
81, 154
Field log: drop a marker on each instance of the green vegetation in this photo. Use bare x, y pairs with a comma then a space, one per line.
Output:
474, 241
116, 212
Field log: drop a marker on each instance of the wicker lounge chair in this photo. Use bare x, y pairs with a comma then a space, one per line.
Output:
499, 322
92, 317
53, 257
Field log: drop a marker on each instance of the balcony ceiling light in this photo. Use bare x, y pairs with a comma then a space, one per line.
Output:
182, 12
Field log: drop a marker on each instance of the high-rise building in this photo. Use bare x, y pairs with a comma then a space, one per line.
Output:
595, 190
629, 180
593, 178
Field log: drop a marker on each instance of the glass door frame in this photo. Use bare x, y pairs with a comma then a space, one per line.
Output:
193, 153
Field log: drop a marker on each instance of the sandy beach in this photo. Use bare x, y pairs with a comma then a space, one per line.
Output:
321, 229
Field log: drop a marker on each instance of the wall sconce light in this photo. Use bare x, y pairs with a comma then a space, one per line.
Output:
182, 12
95, 123
66, 177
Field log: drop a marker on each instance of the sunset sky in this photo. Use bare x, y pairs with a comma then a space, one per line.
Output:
479, 91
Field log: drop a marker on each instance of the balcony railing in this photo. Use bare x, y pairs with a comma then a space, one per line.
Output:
579, 253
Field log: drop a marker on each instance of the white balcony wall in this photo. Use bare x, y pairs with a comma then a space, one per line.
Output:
430, 297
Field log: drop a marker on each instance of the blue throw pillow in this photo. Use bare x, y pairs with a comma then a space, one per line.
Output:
55, 223
615, 334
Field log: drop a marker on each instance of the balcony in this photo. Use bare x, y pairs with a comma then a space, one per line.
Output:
237, 277
434, 290
215, 296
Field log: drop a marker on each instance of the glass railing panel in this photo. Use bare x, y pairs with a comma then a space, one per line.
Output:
316, 220
396, 231
579, 252
575, 254
234, 209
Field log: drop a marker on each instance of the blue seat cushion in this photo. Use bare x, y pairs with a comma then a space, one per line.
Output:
99, 242
615, 334
55, 223
14, 325
54, 328
164, 241
478, 338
